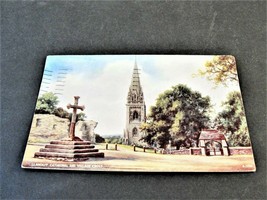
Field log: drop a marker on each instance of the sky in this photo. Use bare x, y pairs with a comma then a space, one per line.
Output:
102, 82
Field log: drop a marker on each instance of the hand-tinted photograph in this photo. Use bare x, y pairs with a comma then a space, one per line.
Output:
143, 113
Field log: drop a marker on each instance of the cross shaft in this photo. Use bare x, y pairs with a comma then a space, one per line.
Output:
75, 107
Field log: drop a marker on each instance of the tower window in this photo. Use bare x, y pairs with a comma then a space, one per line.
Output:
135, 115
135, 131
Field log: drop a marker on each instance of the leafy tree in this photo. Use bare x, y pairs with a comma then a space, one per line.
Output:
221, 69
179, 115
46, 104
232, 121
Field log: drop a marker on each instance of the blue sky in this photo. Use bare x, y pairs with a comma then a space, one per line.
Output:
95, 64
102, 82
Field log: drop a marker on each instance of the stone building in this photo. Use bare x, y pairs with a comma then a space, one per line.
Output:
135, 110
213, 143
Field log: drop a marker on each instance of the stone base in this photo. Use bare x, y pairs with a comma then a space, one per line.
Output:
67, 150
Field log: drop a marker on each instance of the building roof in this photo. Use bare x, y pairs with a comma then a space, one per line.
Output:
211, 135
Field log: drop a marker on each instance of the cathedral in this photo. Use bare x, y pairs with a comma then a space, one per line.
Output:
135, 110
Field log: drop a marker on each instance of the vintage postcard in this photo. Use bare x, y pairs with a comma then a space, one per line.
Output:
145, 113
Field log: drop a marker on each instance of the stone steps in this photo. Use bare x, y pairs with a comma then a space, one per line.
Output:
67, 150
60, 146
64, 142
69, 155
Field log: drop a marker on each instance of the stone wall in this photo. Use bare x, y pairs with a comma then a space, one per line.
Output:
190, 151
181, 152
240, 150
195, 151
47, 127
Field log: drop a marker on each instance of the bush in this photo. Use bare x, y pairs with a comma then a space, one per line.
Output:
99, 139
60, 112
114, 140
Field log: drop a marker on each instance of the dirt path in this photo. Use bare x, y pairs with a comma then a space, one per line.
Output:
125, 159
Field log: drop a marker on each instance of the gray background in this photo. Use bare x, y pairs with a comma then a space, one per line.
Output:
32, 30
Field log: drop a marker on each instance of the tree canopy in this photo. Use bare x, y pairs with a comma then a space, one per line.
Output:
232, 121
179, 115
220, 70
46, 104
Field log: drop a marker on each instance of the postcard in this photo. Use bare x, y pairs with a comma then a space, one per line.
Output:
140, 113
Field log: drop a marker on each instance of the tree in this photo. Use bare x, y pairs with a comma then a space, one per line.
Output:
220, 70
232, 121
179, 115
46, 104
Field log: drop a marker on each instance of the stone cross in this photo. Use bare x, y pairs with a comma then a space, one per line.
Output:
74, 116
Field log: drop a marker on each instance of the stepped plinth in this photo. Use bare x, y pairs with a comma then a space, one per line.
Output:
67, 150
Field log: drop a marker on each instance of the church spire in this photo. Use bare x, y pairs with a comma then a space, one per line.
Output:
135, 90
135, 84
135, 109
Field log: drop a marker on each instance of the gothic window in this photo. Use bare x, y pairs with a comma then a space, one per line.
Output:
135, 115
135, 131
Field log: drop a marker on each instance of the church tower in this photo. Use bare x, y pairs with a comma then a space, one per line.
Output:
135, 110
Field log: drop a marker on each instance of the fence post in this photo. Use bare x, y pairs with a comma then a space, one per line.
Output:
155, 150
106, 146
116, 146
144, 149
134, 147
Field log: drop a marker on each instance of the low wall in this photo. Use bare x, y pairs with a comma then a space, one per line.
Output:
190, 151
181, 152
195, 151
240, 150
